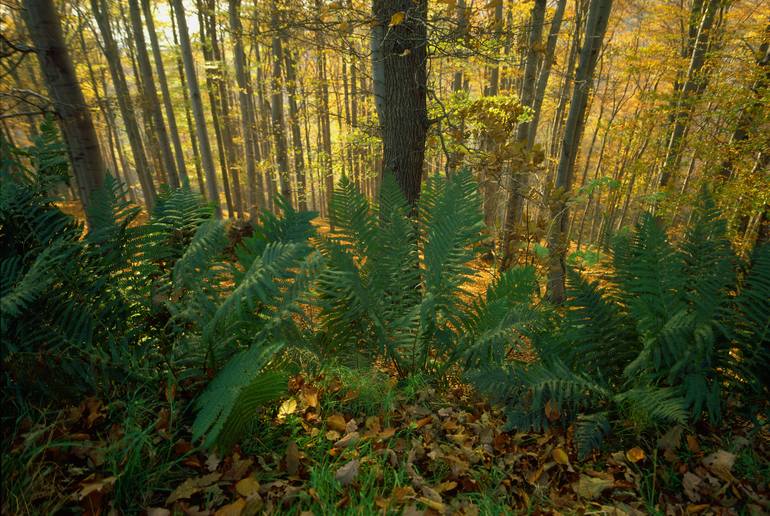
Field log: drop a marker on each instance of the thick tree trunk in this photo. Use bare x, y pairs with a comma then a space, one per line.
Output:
207, 160
404, 119
101, 13
168, 106
596, 26
74, 117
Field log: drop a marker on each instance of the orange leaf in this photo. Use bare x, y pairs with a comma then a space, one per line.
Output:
635, 454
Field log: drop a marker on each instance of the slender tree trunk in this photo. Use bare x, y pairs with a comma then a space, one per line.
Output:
276, 104
596, 26
101, 13
245, 96
296, 132
404, 119
181, 168
64, 89
545, 72
520, 181
197, 107
688, 94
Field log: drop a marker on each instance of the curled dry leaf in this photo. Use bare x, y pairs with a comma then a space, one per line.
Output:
336, 422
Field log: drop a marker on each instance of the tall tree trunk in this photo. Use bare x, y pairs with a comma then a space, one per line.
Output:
519, 181
207, 160
296, 132
213, 93
101, 13
168, 106
150, 95
404, 119
186, 101
545, 71
492, 175
325, 163
74, 117
596, 26
245, 96
276, 104
689, 92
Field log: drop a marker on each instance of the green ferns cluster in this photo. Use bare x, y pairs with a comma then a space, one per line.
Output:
396, 286
673, 331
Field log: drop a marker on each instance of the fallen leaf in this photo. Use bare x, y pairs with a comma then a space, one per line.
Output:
635, 454
96, 486
247, 487
336, 422
373, 424
591, 487
720, 463
387, 433
401, 494
347, 473
671, 439
690, 483
552, 410
692, 444
349, 440
332, 435
292, 459
397, 19
309, 397
213, 461
191, 486
287, 408
231, 509
433, 504
158, 511
560, 456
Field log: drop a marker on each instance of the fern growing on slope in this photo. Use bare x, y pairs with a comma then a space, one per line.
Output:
657, 344
394, 286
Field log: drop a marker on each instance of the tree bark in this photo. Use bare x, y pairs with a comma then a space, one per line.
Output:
207, 160
296, 132
245, 96
689, 92
101, 13
596, 26
276, 104
168, 106
74, 117
404, 114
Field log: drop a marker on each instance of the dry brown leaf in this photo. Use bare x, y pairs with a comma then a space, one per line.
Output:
591, 488
433, 504
191, 486
692, 444
349, 440
347, 473
232, 509
552, 410
336, 422
560, 456
247, 487
332, 435
690, 483
287, 408
292, 459
96, 486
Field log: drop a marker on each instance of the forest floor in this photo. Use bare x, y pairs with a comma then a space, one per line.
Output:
348, 440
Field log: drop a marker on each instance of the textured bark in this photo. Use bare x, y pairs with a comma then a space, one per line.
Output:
596, 26
245, 96
207, 161
276, 113
296, 132
74, 117
545, 71
520, 179
150, 96
186, 101
168, 106
213, 93
101, 13
689, 92
404, 119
